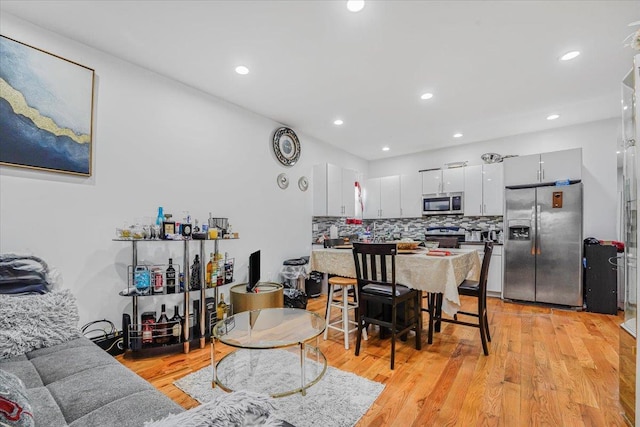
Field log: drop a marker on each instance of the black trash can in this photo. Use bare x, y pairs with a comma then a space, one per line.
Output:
313, 284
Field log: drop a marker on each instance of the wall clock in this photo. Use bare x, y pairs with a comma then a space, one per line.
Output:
286, 146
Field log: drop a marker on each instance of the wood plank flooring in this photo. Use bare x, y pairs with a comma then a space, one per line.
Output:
547, 367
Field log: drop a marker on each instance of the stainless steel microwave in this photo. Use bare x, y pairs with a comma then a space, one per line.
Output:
442, 204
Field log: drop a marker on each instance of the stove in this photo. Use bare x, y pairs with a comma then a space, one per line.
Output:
446, 232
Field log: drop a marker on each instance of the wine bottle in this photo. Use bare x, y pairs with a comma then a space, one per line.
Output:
194, 280
171, 278
209, 272
221, 309
176, 330
163, 332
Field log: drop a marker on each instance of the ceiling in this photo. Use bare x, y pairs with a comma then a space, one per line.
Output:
492, 65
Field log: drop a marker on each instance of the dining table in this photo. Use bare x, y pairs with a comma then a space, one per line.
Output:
421, 269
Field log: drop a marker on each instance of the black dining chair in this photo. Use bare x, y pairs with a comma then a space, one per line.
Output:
472, 288
384, 302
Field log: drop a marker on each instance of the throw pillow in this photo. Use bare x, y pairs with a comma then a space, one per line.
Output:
30, 322
241, 408
23, 274
15, 409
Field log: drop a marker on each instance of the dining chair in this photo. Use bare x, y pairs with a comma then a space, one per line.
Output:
375, 265
472, 288
343, 295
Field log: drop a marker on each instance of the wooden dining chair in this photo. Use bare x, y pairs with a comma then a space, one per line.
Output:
472, 288
382, 299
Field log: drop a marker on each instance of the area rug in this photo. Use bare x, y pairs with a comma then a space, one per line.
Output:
339, 399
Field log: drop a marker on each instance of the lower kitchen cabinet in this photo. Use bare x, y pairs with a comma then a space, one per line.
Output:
494, 279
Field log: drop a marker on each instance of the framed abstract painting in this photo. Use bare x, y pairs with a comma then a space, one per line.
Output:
46, 110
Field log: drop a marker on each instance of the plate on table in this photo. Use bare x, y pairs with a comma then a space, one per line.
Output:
343, 247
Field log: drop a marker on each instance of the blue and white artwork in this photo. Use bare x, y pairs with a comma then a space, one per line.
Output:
45, 110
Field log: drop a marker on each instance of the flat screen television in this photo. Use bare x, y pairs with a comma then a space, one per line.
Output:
254, 271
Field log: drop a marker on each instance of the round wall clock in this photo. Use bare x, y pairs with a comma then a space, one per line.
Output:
286, 146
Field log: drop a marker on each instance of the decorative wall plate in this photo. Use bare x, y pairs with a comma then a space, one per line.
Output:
283, 181
286, 146
303, 183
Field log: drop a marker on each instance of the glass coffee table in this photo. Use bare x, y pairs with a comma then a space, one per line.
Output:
270, 343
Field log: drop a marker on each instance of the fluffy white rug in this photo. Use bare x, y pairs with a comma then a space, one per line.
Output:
338, 399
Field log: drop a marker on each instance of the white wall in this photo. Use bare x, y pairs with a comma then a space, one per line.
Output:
157, 143
599, 173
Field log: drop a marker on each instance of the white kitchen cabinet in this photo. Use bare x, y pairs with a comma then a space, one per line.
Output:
543, 168
382, 197
443, 181
494, 278
410, 196
483, 190
333, 190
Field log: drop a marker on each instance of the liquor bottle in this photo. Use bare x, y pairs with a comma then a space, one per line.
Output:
148, 325
221, 310
163, 331
171, 278
220, 278
160, 217
176, 330
209, 272
194, 280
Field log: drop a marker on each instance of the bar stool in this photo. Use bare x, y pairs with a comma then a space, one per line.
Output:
342, 285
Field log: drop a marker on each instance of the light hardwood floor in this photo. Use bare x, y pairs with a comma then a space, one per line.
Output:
547, 367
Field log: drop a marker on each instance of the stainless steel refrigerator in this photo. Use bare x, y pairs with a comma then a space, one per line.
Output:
543, 244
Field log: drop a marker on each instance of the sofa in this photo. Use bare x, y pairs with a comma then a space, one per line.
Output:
51, 375
78, 384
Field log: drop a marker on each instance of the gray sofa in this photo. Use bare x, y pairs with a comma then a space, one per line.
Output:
78, 384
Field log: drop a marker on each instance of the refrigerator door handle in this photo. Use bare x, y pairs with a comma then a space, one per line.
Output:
538, 248
532, 230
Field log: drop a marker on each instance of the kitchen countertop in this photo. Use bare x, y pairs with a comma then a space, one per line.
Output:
462, 243
480, 243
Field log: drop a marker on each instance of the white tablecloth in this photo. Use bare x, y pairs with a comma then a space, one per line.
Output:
417, 271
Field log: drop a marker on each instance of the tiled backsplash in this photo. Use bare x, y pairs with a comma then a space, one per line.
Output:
413, 228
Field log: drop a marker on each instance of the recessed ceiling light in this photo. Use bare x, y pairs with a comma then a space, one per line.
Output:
385, 148
355, 5
553, 116
457, 135
569, 55
617, 152
426, 96
241, 69
338, 122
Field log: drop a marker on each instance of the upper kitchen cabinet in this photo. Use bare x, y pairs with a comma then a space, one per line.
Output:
382, 197
484, 190
410, 196
443, 181
543, 168
334, 190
